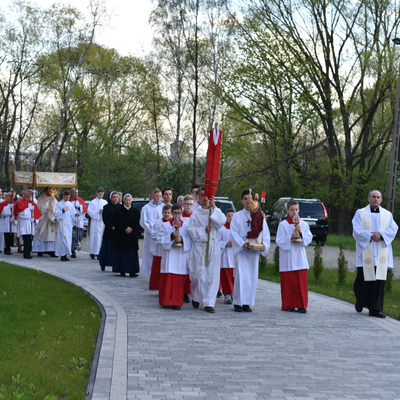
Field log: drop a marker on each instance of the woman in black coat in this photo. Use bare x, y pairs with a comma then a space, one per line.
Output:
126, 235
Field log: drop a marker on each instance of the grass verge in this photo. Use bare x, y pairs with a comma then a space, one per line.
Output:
329, 286
348, 243
48, 332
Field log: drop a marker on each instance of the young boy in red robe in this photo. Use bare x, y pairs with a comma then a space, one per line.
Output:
174, 261
154, 283
292, 238
227, 257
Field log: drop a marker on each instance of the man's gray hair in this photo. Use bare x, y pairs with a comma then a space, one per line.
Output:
372, 191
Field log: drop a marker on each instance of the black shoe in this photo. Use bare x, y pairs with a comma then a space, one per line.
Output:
8, 253
290, 309
133, 275
302, 310
377, 314
92, 256
122, 273
103, 268
195, 304
219, 294
28, 258
64, 258
186, 298
73, 255
358, 308
210, 309
40, 254
246, 308
238, 308
52, 254
176, 307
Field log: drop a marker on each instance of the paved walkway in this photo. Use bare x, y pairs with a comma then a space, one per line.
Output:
148, 352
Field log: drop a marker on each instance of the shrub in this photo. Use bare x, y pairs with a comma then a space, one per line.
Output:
318, 262
276, 258
342, 266
389, 280
263, 262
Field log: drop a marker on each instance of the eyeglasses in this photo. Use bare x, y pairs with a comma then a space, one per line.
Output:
188, 204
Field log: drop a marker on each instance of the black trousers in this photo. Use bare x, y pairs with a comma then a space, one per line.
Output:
27, 245
369, 294
8, 241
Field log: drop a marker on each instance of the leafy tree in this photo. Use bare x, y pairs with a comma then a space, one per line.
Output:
335, 66
21, 43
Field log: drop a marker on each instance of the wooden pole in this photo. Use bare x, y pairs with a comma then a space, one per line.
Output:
208, 235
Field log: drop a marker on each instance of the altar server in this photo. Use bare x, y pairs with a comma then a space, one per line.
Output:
66, 216
205, 278
95, 210
246, 276
148, 244
174, 263
292, 237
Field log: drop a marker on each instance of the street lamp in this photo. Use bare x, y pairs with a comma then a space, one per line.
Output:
394, 161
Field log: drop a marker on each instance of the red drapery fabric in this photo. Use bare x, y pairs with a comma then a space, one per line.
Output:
213, 162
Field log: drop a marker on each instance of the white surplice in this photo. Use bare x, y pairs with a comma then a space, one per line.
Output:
96, 224
6, 217
174, 259
66, 220
227, 253
205, 279
148, 244
246, 274
292, 255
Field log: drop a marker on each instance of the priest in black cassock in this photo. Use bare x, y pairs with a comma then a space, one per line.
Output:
126, 220
106, 255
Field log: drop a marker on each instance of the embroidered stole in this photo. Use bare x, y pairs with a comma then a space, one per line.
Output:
368, 253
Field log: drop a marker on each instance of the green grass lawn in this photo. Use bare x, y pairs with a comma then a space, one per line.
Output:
329, 286
48, 333
348, 243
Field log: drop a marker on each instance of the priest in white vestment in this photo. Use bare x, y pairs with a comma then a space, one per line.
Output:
205, 278
45, 237
95, 210
246, 274
148, 244
66, 216
374, 230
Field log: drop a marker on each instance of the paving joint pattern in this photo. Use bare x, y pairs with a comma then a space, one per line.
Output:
149, 352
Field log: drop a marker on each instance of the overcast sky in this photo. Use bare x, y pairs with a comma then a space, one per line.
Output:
129, 32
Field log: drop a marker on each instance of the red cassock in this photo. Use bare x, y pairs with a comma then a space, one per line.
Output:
23, 204
213, 162
294, 286
154, 283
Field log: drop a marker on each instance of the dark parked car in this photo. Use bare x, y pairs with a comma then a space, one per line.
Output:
139, 203
312, 211
224, 203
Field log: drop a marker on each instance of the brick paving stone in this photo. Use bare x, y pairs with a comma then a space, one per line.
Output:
150, 352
